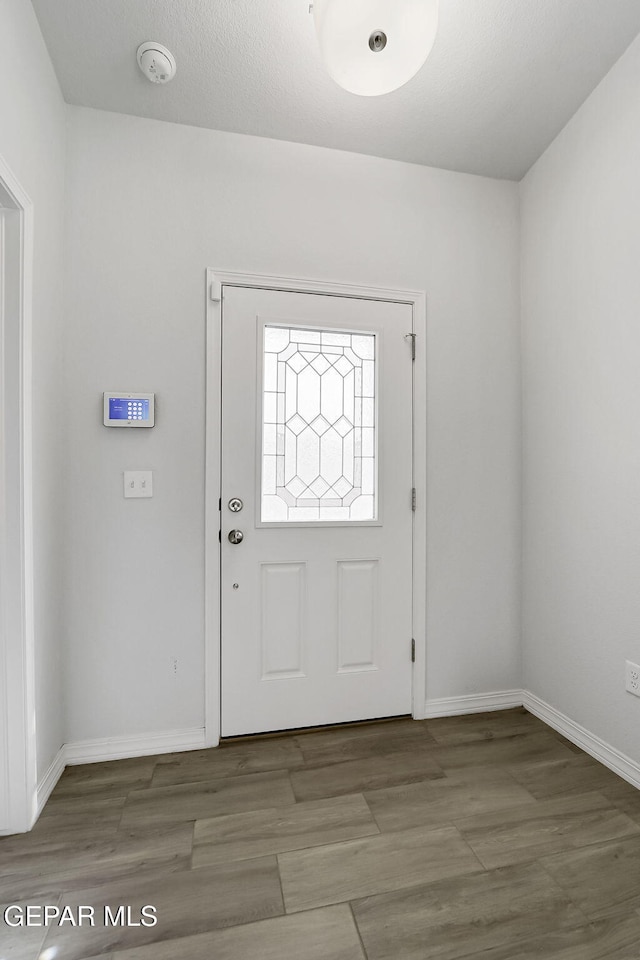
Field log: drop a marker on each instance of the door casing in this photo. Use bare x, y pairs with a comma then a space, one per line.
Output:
18, 763
216, 280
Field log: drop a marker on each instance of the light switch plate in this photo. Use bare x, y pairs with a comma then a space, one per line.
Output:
138, 483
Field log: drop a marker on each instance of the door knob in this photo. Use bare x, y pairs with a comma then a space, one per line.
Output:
236, 536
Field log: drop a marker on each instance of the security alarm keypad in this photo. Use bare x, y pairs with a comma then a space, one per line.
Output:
129, 409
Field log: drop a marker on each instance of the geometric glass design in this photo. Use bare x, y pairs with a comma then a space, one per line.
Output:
319, 450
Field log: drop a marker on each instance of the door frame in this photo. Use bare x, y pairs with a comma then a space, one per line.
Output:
18, 760
216, 280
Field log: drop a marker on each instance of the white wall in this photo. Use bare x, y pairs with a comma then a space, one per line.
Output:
32, 142
152, 205
581, 350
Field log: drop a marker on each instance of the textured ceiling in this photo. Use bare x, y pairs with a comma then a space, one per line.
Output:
502, 80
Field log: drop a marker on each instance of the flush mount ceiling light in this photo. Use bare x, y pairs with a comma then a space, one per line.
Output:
371, 47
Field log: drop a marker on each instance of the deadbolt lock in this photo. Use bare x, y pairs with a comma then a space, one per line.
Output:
235, 505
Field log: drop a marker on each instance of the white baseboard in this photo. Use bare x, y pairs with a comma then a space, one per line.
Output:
479, 703
138, 745
114, 748
624, 766
48, 782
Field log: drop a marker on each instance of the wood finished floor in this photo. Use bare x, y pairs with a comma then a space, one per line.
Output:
486, 836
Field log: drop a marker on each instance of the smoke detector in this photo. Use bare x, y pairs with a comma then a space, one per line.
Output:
156, 62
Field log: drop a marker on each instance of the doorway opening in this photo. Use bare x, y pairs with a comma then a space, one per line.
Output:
299, 629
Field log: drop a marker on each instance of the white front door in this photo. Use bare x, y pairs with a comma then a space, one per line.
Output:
316, 493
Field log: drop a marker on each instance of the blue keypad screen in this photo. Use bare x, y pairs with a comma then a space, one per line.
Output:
121, 408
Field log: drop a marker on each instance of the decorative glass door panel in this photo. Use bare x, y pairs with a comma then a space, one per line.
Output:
319, 426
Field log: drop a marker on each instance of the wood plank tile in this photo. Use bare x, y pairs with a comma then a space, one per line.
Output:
111, 831
359, 743
462, 916
228, 760
545, 827
569, 744
188, 903
603, 880
356, 776
624, 796
327, 934
115, 778
440, 801
359, 868
617, 939
83, 811
503, 750
57, 830
22, 943
294, 827
197, 801
381, 728
572, 775
58, 867
450, 731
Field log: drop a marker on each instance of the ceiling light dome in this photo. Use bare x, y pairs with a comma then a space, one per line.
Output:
371, 47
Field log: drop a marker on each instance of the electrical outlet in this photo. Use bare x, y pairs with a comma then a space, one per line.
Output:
632, 678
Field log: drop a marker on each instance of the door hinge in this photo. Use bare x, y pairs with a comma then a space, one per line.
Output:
413, 651
412, 338
414, 498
